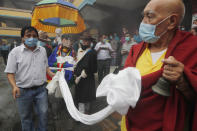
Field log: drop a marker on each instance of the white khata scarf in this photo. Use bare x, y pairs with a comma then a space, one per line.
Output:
122, 90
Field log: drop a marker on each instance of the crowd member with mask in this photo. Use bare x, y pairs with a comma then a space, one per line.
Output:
124, 32
169, 53
57, 61
104, 51
44, 42
126, 48
57, 40
62, 50
85, 91
26, 71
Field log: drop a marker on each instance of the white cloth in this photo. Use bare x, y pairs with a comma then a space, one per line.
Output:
53, 86
62, 60
103, 54
122, 91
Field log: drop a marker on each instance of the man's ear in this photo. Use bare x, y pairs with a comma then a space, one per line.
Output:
173, 22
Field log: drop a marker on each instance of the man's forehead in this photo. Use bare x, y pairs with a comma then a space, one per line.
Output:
157, 7
30, 32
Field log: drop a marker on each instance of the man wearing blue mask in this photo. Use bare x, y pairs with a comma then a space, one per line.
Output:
26, 71
126, 48
169, 53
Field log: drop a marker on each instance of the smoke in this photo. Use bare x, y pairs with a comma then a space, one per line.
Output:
111, 15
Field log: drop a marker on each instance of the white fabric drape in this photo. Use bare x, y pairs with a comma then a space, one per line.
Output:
122, 90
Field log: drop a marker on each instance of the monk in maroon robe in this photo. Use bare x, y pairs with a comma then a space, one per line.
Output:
155, 112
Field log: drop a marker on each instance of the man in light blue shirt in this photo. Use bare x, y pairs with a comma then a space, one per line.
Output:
26, 71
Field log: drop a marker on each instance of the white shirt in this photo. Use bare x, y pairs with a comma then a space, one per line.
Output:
28, 66
156, 56
103, 54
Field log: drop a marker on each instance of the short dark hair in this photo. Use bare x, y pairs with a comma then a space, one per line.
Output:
67, 37
29, 28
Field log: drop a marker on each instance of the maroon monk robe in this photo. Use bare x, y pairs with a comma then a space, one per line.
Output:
155, 112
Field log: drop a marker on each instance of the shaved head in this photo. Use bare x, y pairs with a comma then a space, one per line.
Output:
167, 7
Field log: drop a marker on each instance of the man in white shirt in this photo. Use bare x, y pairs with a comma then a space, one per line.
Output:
26, 71
104, 51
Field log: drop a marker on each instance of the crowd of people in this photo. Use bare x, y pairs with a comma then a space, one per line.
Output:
37, 55
159, 49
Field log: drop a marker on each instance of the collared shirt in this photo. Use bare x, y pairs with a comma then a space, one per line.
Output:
28, 66
126, 47
103, 54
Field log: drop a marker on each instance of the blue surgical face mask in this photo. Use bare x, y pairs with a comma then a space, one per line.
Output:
127, 38
147, 32
31, 42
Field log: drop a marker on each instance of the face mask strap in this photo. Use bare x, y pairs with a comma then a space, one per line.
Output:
163, 20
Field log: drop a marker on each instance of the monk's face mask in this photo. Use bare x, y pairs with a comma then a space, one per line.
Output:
147, 31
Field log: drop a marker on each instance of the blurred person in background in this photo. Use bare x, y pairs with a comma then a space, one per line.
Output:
5, 50
14, 44
104, 51
58, 61
114, 45
85, 91
93, 43
124, 32
57, 39
62, 50
78, 43
0, 46
126, 48
44, 41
